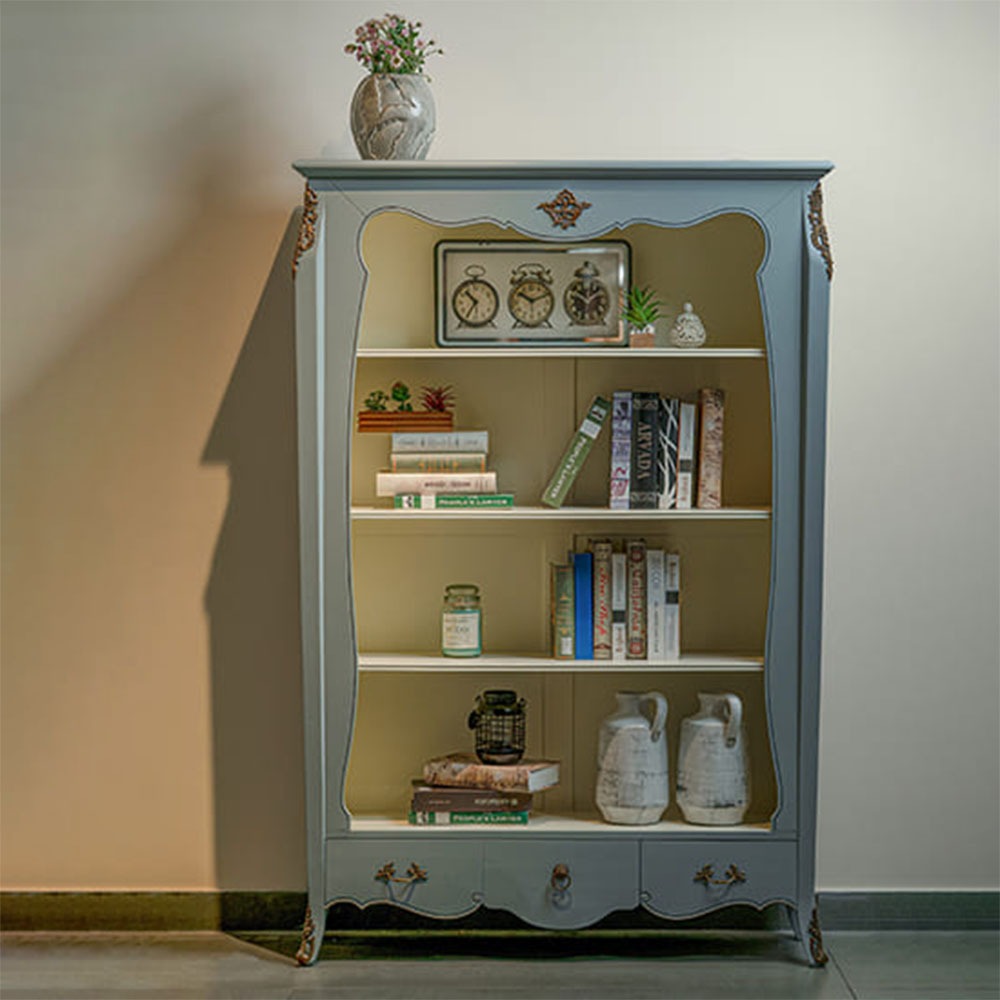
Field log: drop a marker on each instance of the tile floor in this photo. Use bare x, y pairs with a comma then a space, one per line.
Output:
929, 965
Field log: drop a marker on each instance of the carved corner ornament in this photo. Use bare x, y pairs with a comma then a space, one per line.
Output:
816, 949
817, 229
307, 227
308, 945
564, 209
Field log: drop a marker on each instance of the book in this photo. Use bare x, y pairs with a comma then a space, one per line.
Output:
643, 493
563, 614
685, 456
437, 501
429, 441
670, 418
583, 605
656, 605
576, 453
466, 770
434, 798
621, 449
672, 603
711, 403
458, 817
619, 605
437, 461
602, 550
635, 551
388, 484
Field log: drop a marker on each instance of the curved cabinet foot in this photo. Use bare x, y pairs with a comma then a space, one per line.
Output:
811, 937
312, 937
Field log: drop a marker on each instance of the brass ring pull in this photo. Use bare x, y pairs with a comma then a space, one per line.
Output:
561, 879
707, 875
387, 873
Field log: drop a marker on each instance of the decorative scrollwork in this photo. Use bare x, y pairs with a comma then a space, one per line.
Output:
307, 226
387, 873
564, 209
817, 229
706, 875
307, 947
816, 949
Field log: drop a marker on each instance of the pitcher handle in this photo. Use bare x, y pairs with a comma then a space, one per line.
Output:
660, 716
735, 719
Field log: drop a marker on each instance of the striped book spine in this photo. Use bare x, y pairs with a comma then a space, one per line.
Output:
670, 419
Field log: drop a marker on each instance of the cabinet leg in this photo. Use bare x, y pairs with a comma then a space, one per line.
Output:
312, 936
793, 919
811, 937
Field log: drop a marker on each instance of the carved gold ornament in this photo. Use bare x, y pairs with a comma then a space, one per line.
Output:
307, 226
564, 209
816, 949
817, 229
387, 873
307, 947
706, 874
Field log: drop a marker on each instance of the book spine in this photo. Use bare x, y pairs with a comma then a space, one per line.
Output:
388, 484
602, 599
583, 604
576, 453
685, 455
621, 449
711, 403
455, 817
636, 612
619, 606
672, 603
436, 501
469, 800
443, 441
656, 605
670, 411
563, 641
444, 461
643, 494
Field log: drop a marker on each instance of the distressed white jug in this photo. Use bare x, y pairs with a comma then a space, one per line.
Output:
713, 783
633, 784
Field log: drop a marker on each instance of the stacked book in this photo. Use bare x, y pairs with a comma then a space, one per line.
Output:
459, 788
437, 470
619, 600
665, 452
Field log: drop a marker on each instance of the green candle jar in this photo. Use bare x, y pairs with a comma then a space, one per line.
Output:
461, 621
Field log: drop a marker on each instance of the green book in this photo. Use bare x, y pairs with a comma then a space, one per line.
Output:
436, 501
459, 818
576, 453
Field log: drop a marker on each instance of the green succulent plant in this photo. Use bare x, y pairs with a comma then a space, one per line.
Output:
643, 308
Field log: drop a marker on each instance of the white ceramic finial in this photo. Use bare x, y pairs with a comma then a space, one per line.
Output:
688, 329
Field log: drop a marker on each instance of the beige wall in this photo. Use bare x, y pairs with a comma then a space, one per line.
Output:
150, 691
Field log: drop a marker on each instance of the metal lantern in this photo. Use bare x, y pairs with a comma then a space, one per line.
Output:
498, 720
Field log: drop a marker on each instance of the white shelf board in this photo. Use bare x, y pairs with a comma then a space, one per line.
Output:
543, 823
363, 513
639, 353
515, 663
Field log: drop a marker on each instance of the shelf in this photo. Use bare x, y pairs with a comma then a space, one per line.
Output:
541, 823
558, 514
577, 351
515, 663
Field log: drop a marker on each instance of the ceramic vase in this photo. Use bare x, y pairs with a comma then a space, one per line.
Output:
393, 116
713, 783
633, 785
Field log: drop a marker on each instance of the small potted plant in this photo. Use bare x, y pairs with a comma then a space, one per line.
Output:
641, 312
437, 402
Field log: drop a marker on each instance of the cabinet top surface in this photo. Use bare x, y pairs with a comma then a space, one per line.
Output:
347, 170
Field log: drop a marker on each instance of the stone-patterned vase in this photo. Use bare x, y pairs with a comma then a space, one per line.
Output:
688, 329
393, 117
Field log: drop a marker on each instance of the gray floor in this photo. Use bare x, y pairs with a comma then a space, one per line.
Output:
892, 964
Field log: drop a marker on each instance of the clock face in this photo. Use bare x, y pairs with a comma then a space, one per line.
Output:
531, 302
475, 302
587, 302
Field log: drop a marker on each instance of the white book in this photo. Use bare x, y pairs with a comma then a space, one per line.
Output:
621, 449
618, 606
685, 456
656, 605
388, 484
672, 604
440, 441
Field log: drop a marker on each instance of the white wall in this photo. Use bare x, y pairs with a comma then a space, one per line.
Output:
151, 736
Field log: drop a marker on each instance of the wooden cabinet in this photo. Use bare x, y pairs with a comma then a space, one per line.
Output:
745, 243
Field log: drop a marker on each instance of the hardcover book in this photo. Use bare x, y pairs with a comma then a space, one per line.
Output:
576, 453
466, 770
439, 461
670, 418
435, 501
656, 605
431, 798
619, 606
635, 551
388, 484
454, 818
429, 441
602, 599
685, 456
621, 449
672, 597
711, 402
583, 604
563, 614
643, 493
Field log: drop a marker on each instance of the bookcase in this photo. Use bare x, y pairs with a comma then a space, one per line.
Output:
745, 242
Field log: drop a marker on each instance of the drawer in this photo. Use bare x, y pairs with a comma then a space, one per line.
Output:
685, 879
563, 883
435, 876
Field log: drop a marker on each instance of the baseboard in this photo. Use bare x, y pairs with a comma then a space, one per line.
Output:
283, 911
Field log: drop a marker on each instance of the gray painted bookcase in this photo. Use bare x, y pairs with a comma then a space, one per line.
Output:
745, 243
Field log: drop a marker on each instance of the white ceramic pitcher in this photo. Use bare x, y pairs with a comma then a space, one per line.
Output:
633, 785
713, 782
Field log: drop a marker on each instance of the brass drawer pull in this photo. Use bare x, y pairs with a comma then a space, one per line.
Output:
707, 875
387, 873
561, 879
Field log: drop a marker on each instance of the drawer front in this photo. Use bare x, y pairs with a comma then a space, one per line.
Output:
437, 877
684, 880
561, 884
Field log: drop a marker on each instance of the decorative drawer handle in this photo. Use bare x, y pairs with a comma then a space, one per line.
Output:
561, 879
387, 873
733, 875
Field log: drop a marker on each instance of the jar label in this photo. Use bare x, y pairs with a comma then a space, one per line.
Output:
460, 632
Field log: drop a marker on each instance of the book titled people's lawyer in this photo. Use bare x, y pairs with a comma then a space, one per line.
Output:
458, 818
388, 484
432, 441
466, 770
437, 501
576, 453
436, 798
